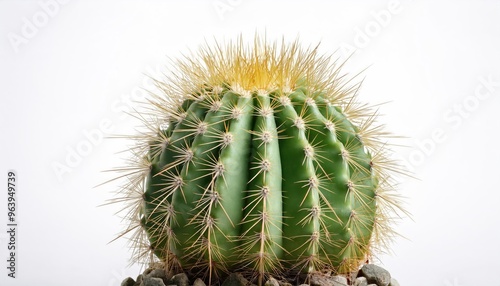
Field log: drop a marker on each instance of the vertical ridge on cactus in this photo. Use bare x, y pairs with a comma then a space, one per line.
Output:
258, 158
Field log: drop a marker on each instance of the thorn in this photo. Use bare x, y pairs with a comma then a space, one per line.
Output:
345, 154
299, 123
287, 89
262, 92
164, 126
266, 137
315, 212
264, 191
309, 152
216, 105
266, 111
217, 89
218, 169
236, 112
310, 102
285, 100
202, 128
240, 90
330, 126
227, 139
313, 182
265, 165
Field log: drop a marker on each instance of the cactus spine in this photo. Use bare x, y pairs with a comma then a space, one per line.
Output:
259, 158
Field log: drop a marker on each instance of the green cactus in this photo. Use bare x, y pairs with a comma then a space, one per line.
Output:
260, 160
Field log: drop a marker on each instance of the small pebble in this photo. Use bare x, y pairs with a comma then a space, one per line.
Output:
375, 275
322, 280
199, 282
151, 281
361, 281
128, 282
139, 280
147, 271
235, 279
272, 282
180, 279
158, 273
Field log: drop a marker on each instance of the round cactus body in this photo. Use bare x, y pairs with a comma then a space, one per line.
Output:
260, 160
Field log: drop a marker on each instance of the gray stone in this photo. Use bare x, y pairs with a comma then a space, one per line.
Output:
128, 282
375, 275
147, 271
272, 282
139, 280
152, 281
235, 279
323, 280
340, 279
199, 282
180, 279
159, 273
394, 282
361, 281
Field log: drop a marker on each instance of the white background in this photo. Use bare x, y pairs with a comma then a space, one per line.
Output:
68, 70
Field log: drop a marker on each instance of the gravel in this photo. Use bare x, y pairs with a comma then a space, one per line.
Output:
368, 275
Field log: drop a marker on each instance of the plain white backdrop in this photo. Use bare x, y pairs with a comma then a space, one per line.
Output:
69, 70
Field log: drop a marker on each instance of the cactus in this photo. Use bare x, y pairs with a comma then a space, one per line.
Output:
258, 158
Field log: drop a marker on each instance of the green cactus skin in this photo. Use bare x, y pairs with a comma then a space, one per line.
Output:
267, 165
